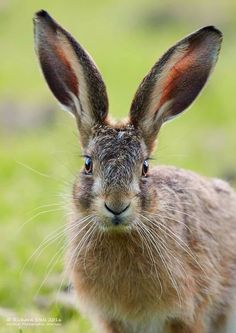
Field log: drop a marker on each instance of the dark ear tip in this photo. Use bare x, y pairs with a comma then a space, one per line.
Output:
42, 18
213, 30
41, 13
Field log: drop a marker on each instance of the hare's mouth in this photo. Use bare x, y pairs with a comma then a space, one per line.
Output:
115, 223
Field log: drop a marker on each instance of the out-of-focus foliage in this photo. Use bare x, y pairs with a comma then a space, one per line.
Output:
38, 159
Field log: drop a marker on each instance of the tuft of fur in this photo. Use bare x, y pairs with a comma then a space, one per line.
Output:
148, 251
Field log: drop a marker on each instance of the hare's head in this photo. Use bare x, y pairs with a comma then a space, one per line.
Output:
115, 183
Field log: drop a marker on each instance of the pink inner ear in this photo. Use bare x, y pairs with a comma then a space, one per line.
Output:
175, 79
70, 78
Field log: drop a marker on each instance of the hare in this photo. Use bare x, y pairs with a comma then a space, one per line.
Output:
149, 249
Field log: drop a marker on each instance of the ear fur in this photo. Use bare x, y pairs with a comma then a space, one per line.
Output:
175, 81
71, 74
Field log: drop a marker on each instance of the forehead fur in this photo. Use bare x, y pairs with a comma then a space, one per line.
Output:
116, 143
118, 152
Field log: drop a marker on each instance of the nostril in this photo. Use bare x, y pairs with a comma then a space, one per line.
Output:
116, 212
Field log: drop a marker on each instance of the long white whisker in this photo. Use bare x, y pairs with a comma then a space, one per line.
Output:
169, 253
155, 245
36, 215
44, 206
177, 239
171, 219
35, 171
79, 245
51, 238
56, 257
178, 211
143, 239
86, 250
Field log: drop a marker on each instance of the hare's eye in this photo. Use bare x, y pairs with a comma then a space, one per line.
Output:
145, 168
88, 166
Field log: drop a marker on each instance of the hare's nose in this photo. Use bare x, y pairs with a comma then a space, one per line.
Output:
115, 212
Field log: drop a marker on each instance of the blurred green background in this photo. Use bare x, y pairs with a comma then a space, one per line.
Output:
39, 150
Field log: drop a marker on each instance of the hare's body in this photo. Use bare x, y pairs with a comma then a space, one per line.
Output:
121, 277
149, 251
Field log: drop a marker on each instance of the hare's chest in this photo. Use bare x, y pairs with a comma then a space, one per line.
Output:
120, 283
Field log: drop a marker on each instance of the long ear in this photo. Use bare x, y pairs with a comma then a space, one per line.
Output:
175, 81
71, 74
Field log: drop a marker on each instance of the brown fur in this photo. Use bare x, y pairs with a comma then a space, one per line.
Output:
120, 280
155, 252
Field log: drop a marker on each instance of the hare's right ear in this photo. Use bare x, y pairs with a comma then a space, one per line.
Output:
174, 81
71, 74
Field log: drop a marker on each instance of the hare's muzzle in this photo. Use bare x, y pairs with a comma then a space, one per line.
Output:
116, 208
117, 212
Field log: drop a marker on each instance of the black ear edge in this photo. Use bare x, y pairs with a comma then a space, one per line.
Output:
210, 28
140, 101
43, 15
151, 75
59, 89
98, 97
207, 31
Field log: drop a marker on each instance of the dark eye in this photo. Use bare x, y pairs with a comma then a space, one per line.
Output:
145, 168
88, 166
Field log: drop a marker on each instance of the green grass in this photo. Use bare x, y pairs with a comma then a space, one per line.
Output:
125, 48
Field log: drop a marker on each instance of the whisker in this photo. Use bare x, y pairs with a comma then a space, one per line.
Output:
164, 245
155, 245
43, 245
181, 212
56, 257
169, 253
35, 216
79, 245
171, 218
86, 250
52, 237
50, 267
177, 239
69, 262
45, 206
142, 234
35, 171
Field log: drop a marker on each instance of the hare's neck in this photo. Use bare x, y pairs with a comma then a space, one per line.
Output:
122, 268
121, 255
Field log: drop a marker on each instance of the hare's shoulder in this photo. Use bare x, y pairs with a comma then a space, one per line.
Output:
188, 181
206, 198
171, 175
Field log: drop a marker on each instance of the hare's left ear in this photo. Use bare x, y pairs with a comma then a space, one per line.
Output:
71, 74
174, 81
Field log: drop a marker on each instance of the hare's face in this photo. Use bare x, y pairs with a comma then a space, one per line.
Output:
109, 186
